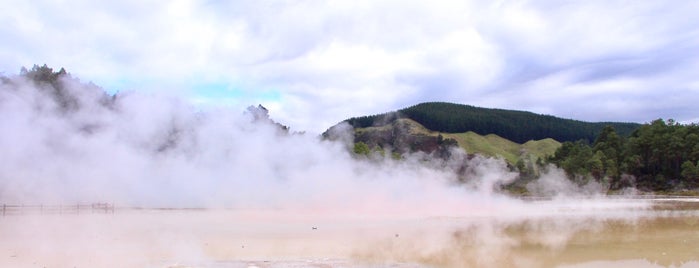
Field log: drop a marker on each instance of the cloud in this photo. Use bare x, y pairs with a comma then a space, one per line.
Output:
327, 61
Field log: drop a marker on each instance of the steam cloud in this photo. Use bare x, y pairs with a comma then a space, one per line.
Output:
146, 150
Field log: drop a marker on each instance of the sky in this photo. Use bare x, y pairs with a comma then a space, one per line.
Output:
316, 63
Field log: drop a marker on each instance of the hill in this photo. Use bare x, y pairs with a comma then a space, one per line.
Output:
517, 126
404, 135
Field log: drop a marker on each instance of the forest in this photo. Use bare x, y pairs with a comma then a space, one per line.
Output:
658, 156
517, 126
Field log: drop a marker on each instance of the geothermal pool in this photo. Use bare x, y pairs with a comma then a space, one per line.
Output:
603, 232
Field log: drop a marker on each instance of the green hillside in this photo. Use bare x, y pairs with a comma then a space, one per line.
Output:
488, 145
517, 126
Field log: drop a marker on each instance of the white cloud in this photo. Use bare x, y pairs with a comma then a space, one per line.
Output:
327, 61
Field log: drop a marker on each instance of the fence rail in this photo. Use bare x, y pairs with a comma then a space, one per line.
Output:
9, 209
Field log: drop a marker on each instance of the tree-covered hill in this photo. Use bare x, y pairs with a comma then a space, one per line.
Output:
517, 126
660, 156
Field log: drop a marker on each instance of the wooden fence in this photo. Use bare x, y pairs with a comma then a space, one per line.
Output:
57, 209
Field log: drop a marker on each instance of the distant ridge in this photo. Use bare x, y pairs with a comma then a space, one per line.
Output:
517, 126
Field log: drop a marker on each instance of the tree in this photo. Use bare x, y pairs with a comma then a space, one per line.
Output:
576, 158
661, 155
361, 148
608, 149
689, 170
596, 165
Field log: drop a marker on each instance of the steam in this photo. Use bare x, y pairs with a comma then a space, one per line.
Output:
156, 151
554, 183
147, 150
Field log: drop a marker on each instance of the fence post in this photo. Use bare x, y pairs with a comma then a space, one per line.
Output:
4, 206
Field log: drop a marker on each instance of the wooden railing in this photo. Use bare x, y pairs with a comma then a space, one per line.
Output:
10, 209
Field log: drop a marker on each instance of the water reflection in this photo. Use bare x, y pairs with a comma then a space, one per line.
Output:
666, 234
542, 233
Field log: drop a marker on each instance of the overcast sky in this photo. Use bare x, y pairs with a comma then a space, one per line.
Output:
315, 63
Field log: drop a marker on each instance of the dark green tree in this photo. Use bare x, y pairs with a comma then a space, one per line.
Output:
690, 171
608, 148
576, 158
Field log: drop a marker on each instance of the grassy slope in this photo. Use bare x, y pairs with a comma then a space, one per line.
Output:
490, 145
